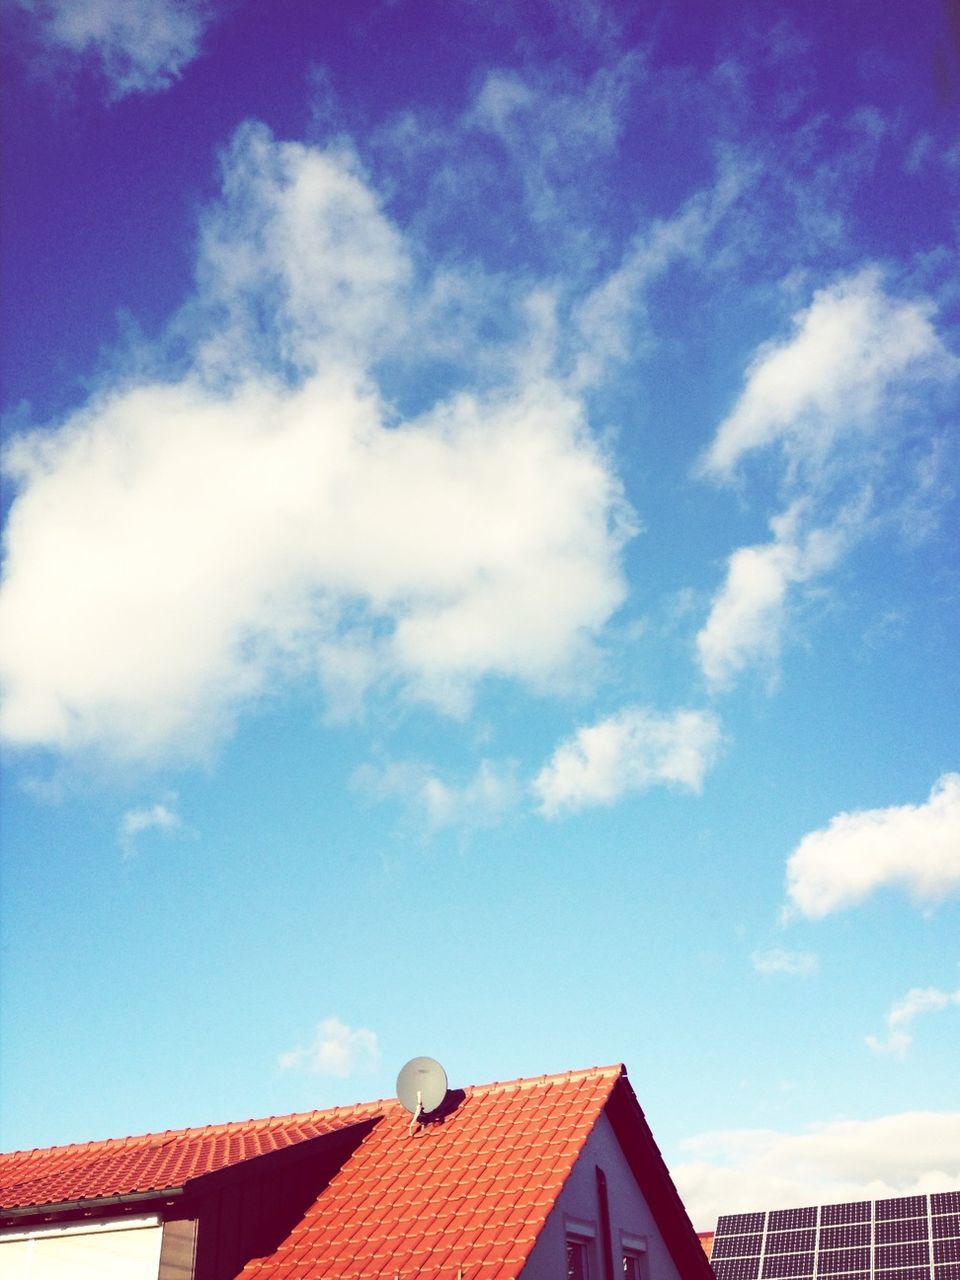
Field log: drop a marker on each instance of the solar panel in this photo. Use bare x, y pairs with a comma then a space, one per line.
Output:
897, 1238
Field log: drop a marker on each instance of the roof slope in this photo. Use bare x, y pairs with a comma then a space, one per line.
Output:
472, 1192
157, 1161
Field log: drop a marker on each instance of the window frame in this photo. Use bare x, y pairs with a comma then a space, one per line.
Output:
633, 1248
581, 1234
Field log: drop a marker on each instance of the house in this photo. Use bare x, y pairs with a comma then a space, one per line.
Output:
542, 1178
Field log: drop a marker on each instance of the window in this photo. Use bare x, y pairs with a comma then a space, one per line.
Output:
578, 1260
633, 1266
633, 1250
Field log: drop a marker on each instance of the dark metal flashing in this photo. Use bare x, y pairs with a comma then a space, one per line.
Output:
93, 1207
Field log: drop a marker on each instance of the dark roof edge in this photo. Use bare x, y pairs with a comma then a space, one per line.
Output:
91, 1204
651, 1172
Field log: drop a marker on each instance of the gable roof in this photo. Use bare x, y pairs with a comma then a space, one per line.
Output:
472, 1190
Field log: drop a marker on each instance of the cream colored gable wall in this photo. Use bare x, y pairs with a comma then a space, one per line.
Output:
578, 1203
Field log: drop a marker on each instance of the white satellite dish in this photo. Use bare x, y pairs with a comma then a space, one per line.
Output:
421, 1087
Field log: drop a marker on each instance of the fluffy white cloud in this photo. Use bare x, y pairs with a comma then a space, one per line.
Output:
628, 751
336, 1050
918, 1000
739, 1170
749, 613
851, 349
483, 800
177, 548
777, 960
157, 817
916, 846
141, 47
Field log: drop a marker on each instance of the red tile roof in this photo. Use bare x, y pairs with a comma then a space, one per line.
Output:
156, 1161
472, 1191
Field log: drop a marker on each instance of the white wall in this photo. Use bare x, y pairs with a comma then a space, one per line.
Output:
128, 1249
578, 1203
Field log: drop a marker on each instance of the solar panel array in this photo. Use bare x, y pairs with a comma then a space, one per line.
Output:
904, 1238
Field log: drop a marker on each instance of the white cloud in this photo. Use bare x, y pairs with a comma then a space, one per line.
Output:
157, 817
918, 1000
837, 397
179, 548
629, 751
749, 613
777, 960
336, 1050
851, 350
915, 846
482, 801
739, 1170
141, 46
298, 265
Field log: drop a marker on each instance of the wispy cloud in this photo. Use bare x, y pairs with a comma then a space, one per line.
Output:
739, 1170
913, 846
161, 816
632, 750
483, 800
918, 1000
608, 323
336, 1050
139, 47
777, 960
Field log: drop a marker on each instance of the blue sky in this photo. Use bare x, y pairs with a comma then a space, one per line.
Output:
481, 571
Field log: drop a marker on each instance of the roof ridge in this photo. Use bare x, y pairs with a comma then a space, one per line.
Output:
612, 1072
159, 1137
